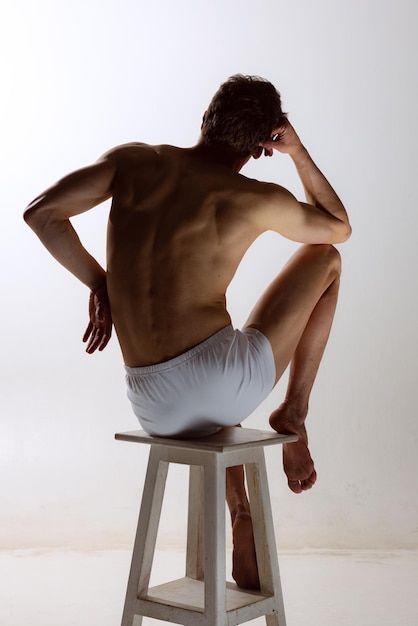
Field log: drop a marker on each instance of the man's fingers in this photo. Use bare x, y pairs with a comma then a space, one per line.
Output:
104, 342
92, 345
99, 340
87, 332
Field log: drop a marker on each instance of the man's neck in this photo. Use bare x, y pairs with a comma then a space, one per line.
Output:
217, 153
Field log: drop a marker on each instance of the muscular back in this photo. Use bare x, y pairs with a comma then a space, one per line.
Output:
178, 228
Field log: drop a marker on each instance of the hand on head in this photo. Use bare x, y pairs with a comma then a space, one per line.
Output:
283, 138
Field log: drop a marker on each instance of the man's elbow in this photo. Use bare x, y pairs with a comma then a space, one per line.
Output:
345, 233
36, 214
38, 219
32, 218
28, 215
339, 232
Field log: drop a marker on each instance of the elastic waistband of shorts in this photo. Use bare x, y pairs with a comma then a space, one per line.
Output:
181, 358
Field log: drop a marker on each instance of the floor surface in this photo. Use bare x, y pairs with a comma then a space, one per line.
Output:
359, 588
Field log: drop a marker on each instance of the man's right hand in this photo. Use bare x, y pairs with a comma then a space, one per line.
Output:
99, 329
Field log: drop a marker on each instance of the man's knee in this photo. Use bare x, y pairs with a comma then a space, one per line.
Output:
331, 258
335, 260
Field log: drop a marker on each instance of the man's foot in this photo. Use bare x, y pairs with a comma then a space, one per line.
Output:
244, 561
297, 461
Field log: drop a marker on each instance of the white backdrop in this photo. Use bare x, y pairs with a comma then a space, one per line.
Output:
81, 77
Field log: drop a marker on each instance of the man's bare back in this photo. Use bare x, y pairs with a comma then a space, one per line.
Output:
177, 232
179, 226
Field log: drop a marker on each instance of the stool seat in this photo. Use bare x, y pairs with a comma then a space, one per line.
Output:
231, 438
203, 597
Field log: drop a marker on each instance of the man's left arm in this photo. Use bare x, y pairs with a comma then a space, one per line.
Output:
49, 217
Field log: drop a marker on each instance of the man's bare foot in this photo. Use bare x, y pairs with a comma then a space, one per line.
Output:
297, 461
244, 560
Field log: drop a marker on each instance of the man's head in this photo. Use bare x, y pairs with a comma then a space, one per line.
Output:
242, 113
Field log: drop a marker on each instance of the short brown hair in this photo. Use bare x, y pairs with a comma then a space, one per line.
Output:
242, 113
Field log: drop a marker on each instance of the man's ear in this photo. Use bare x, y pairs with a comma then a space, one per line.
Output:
257, 154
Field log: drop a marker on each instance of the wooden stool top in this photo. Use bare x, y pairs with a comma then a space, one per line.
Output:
231, 438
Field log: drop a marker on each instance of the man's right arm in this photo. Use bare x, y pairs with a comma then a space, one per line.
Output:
323, 219
49, 216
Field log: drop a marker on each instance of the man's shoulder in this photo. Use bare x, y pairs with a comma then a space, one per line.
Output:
265, 204
140, 160
268, 190
132, 150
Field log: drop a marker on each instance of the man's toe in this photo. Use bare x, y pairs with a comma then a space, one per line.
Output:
295, 486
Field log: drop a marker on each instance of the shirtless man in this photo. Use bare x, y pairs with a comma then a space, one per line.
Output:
180, 222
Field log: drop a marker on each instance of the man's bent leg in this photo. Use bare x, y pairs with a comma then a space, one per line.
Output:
296, 314
293, 411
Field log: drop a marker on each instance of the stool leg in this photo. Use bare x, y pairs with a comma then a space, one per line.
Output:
265, 542
215, 579
146, 536
195, 567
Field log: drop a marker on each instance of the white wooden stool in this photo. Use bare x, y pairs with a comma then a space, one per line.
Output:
203, 597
